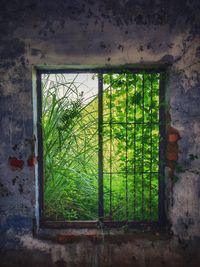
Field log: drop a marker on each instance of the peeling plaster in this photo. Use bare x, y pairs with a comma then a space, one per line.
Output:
49, 33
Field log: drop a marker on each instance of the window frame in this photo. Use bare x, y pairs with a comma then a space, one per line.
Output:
162, 151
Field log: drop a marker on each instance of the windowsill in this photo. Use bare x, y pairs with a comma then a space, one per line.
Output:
96, 234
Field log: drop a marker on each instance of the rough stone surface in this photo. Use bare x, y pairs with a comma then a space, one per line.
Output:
107, 32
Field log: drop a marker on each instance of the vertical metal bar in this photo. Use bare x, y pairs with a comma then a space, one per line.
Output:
151, 151
161, 195
134, 146
40, 147
142, 210
126, 149
110, 106
100, 146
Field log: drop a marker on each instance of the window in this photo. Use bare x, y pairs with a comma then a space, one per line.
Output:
101, 145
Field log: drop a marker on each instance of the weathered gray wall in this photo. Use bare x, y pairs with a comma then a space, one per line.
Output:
98, 32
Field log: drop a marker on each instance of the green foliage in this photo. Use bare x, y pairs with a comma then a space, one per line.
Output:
131, 141
130, 148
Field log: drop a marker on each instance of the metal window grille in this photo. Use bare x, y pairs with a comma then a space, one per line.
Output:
129, 146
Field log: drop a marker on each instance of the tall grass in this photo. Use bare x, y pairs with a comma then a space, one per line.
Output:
70, 151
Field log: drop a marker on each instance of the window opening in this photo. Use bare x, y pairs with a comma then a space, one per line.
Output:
101, 146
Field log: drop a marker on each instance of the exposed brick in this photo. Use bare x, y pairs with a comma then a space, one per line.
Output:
172, 150
15, 163
31, 161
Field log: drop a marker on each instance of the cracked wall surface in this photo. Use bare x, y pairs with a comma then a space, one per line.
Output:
107, 32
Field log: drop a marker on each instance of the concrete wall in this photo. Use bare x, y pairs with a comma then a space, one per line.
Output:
140, 32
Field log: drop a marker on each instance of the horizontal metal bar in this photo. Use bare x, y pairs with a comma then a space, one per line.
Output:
133, 123
130, 172
129, 223
67, 224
